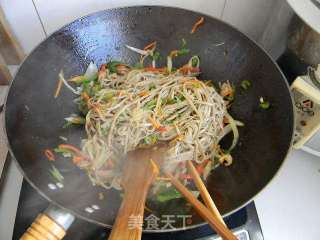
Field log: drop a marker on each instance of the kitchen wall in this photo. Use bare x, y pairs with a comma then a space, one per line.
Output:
263, 20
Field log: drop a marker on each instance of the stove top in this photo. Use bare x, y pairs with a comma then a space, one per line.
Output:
244, 223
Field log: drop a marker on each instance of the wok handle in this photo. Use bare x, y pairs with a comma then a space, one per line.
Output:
128, 224
50, 225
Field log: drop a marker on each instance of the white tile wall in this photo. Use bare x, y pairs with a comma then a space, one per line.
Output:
55, 14
259, 19
24, 22
249, 16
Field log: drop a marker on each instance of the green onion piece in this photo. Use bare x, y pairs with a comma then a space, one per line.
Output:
112, 65
56, 174
66, 124
245, 84
194, 62
87, 88
169, 194
152, 87
180, 97
152, 139
171, 101
156, 56
264, 105
62, 150
183, 51
151, 104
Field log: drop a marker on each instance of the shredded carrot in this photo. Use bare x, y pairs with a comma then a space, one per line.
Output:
96, 108
153, 69
225, 120
58, 90
85, 96
197, 24
155, 168
150, 46
143, 94
49, 154
162, 129
102, 72
186, 70
103, 67
77, 159
70, 147
154, 122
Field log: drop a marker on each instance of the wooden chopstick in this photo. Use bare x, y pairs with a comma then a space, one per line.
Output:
202, 210
204, 191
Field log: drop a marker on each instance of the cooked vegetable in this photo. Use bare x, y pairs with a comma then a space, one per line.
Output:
55, 173
168, 194
92, 72
126, 107
61, 78
49, 154
150, 140
62, 150
245, 84
227, 91
56, 94
78, 79
264, 104
70, 148
150, 46
156, 56
77, 120
194, 62
197, 25
184, 43
112, 66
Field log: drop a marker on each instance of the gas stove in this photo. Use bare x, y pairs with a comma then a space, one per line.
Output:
244, 223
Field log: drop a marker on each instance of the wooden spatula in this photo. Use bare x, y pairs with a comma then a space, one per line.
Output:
139, 172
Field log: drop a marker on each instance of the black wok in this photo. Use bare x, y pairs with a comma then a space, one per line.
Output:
34, 118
